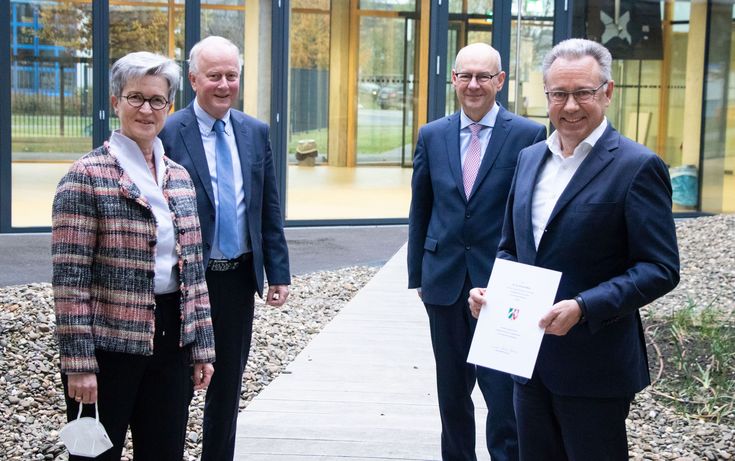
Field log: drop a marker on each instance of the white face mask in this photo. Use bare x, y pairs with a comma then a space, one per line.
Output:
85, 436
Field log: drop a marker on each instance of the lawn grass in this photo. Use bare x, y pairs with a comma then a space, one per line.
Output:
42, 134
372, 140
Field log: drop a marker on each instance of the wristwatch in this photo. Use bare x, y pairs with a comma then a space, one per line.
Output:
583, 308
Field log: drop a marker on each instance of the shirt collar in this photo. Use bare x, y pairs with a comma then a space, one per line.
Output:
585, 145
487, 120
206, 121
124, 146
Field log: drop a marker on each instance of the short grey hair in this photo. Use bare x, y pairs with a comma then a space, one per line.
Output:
577, 48
212, 40
136, 65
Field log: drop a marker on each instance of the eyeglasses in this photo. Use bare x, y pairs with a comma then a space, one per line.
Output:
581, 96
156, 102
465, 77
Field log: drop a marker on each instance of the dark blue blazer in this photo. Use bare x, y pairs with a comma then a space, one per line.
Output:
183, 144
450, 236
612, 237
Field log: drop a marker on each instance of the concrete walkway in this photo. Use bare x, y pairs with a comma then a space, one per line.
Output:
363, 389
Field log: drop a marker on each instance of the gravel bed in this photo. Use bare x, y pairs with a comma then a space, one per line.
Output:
31, 396
32, 407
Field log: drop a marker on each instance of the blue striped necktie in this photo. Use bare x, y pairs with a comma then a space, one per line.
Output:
229, 243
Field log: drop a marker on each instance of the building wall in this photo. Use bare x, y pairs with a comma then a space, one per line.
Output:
358, 77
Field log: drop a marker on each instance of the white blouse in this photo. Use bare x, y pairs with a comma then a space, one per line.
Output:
131, 159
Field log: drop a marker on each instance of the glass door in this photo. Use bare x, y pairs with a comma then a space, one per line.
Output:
51, 100
144, 25
387, 82
469, 22
532, 29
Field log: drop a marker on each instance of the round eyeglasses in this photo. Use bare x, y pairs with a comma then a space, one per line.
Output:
581, 96
137, 100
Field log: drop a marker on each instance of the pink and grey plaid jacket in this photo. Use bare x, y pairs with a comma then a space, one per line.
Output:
103, 247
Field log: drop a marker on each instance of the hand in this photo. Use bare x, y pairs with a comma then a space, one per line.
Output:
202, 375
277, 295
561, 318
82, 387
476, 301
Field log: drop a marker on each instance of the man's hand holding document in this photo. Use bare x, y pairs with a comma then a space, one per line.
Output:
508, 336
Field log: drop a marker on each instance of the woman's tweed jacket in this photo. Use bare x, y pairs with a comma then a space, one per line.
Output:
103, 246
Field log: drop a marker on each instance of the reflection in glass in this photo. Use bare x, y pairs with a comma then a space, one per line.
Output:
146, 26
472, 25
652, 94
351, 114
718, 158
388, 5
481, 7
51, 100
224, 20
386, 70
309, 86
528, 46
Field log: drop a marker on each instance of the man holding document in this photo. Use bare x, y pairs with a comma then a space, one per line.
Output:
596, 207
462, 169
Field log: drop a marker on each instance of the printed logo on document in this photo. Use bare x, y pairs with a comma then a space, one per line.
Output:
513, 313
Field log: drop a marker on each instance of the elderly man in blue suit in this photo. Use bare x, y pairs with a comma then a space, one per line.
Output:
228, 156
462, 170
595, 206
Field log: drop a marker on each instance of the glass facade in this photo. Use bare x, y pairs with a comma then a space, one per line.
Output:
469, 22
352, 102
51, 106
531, 37
358, 77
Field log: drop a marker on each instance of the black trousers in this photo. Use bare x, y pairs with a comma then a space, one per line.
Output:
452, 328
231, 295
560, 428
151, 394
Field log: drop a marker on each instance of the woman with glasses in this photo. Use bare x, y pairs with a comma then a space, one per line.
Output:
132, 309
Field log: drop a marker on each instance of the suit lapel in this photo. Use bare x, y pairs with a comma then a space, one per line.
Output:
526, 183
189, 131
497, 138
244, 140
451, 134
596, 160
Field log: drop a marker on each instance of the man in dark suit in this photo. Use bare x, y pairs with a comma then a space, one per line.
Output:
462, 170
228, 156
595, 206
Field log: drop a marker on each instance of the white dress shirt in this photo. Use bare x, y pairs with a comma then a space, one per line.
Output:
131, 159
487, 122
209, 139
555, 175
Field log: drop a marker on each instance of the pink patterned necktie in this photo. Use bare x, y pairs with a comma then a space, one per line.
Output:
472, 159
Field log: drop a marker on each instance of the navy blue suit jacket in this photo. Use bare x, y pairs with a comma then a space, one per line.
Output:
183, 144
612, 236
449, 235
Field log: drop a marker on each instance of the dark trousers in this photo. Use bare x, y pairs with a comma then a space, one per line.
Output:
452, 328
559, 428
231, 295
150, 394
